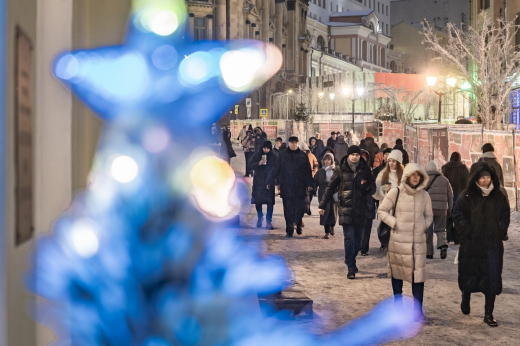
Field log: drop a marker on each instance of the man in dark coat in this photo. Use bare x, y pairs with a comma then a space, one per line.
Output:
292, 173
371, 214
278, 146
481, 216
355, 184
372, 148
489, 157
399, 146
259, 137
457, 174
331, 142
263, 163
319, 147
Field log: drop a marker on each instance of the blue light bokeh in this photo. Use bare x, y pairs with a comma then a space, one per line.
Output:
145, 255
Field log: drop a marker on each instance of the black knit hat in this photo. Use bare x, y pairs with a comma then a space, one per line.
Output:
487, 147
398, 141
293, 139
484, 173
267, 144
353, 149
387, 151
332, 133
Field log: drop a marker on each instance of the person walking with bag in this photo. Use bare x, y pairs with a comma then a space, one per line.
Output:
407, 209
482, 217
249, 150
323, 178
354, 183
440, 192
263, 163
389, 178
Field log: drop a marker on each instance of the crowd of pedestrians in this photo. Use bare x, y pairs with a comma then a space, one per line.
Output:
356, 181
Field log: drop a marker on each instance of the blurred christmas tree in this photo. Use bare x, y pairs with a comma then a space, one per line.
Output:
301, 113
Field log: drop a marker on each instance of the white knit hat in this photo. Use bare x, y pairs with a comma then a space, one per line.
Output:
431, 166
396, 155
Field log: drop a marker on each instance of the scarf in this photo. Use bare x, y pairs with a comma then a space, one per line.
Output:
486, 191
328, 172
353, 166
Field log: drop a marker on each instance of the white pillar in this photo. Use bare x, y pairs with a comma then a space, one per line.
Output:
209, 27
265, 21
240, 19
192, 24
279, 8
52, 123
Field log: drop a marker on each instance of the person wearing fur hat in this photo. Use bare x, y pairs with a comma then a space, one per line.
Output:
481, 216
407, 209
441, 194
457, 174
263, 163
323, 178
489, 157
292, 173
354, 183
387, 179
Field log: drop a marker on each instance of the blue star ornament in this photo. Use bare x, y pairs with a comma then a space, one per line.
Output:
144, 255
160, 70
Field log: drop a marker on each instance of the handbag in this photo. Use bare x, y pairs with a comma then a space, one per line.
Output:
383, 230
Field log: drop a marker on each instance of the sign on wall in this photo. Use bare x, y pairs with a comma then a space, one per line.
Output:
263, 113
23, 138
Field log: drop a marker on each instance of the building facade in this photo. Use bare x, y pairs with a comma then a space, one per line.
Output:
437, 13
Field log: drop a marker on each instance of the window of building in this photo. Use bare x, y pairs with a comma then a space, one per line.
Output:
370, 3
387, 32
446, 6
319, 3
324, 4
484, 4
378, 7
337, 8
314, 1
365, 3
199, 28
393, 66
387, 10
331, 6
446, 20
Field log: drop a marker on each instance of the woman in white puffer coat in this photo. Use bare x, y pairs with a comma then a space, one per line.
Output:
407, 246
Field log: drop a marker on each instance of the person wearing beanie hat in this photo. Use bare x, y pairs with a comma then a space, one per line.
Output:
293, 175
331, 142
489, 157
263, 164
481, 216
323, 178
354, 183
387, 179
399, 146
407, 210
441, 195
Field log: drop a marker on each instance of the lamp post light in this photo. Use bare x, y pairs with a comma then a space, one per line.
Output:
349, 94
290, 91
431, 80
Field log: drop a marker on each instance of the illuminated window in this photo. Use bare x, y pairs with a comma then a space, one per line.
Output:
200, 28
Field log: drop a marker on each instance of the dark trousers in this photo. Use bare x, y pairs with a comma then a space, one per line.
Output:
365, 239
352, 242
293, 210
269, 216
248, 156
417, 291
490, 302
327, 228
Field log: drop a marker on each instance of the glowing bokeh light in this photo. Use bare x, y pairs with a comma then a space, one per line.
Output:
164, 57
124, 169
164, 23
83, 238
155, 139
196, 68
67, 67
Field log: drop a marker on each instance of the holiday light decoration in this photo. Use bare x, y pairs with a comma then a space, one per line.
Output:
144, 256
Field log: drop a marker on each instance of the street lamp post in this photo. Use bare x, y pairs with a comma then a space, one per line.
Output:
431, 80
359, 93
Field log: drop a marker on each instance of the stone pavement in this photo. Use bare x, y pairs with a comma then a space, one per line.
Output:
319, 271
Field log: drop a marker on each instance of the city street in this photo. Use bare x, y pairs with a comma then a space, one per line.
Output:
319, 271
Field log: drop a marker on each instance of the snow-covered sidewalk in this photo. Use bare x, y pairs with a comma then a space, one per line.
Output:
320, 272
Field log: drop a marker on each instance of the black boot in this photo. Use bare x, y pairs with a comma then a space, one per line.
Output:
464, 305
444, 252
489, 320
351, 274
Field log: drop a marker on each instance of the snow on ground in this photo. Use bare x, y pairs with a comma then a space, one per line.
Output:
320, 272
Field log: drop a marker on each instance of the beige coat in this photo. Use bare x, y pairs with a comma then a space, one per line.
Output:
413, 215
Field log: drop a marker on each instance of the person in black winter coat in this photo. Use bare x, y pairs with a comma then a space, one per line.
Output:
259, 137
355, 184
457, 174
370, 146
263, 163
371, 214
322, 178
340, 148
292, 173
319, 147
226, 149
399, 146
331, 142
482, 217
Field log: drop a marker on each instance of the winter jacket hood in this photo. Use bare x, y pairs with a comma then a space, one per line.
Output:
341, 139
474, 175
489, 155
413, 215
